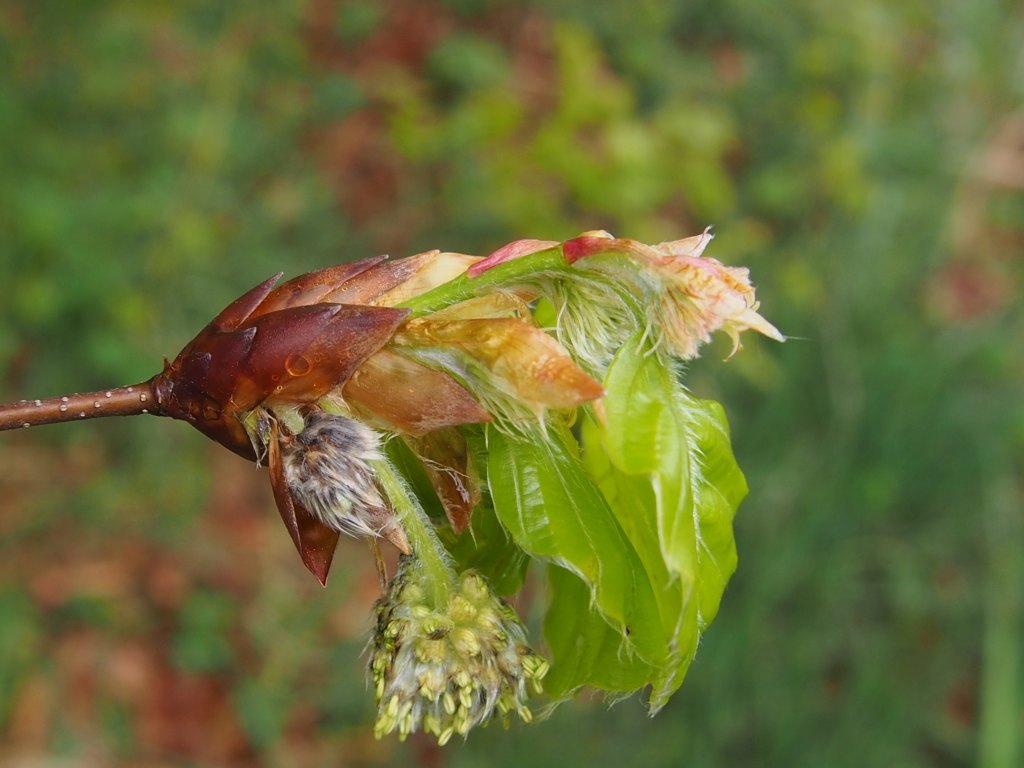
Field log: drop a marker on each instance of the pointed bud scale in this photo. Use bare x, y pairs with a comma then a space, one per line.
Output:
379, 280
395, 393
387, 283
314, 540
525, 363
293, 355
445, 458
300, 354
314, 287
432, 269
238, 311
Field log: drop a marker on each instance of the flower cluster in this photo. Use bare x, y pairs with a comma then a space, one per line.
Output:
448, 669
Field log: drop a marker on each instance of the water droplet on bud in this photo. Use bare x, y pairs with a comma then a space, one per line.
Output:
297, 365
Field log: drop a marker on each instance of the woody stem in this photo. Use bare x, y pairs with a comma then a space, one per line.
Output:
118, 401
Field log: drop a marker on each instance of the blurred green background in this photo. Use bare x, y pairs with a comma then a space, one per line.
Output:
865, 160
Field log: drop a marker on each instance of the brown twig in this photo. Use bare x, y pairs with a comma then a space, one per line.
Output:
119, 401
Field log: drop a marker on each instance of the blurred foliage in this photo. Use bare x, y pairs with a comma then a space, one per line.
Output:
864, 160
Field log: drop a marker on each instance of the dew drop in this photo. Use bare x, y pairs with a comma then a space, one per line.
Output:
63, 399
131, 389
106, 394
96, 404
145, 410
63, 408
26, 425
297, 365
81, 414
39, 403
143, 398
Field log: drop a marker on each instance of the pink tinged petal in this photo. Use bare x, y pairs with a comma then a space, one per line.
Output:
591, 243
688, 247
513, 250
594, 243
703, 296
395, 393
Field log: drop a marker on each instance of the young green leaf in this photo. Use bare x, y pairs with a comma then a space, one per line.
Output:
662, 459
632, 499
586, 649
718, 487
654, 428
554, 511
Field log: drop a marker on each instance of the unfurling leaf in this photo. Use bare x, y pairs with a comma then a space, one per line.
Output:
663, 461
555, 512
639, 534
